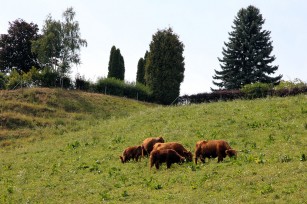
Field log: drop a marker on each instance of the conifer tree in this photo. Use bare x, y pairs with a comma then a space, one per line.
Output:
247, 57
140, 71
164, 69
140, 75
116, 64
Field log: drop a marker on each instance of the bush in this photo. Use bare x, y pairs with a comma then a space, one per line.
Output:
117, 87
31, 78
14, 80
44, 78
51, 78
257, 90
82, 84
218, 95
296, 83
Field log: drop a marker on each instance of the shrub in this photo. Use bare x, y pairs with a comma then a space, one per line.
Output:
45, 78
82, 84
51, 78
256, 90
117, 87
14, 80
218, 95
296, 83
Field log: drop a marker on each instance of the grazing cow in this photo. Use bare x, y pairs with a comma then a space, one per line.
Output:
131, 153
212, 149
175, 146
167, 156
148, 144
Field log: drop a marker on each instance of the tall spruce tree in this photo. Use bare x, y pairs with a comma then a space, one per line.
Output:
116, 64
164, 69
247, 56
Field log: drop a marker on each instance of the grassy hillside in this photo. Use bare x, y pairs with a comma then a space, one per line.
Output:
81, 163
23, 111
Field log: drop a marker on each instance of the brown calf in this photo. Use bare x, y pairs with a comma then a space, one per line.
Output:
131, 153
167, 156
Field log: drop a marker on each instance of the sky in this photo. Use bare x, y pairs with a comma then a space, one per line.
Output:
202, 25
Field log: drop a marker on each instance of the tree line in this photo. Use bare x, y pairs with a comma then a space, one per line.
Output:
49, 56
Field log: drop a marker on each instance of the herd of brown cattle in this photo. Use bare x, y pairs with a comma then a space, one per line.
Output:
172, 152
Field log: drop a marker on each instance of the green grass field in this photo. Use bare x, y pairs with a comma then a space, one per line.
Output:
63, 147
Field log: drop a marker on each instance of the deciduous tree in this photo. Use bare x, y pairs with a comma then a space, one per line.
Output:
60, 43
15, 47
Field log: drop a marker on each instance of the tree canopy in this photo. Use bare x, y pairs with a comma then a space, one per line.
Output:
140, 75
15, 47
164, 69
247, 56
60, 43
116, 64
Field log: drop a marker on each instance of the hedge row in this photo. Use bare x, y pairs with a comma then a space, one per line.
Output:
112, 86
50, 78
226, 95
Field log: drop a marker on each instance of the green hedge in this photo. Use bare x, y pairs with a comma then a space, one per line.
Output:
117, 87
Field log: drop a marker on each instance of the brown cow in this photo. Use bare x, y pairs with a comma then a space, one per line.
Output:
212, 149
148, 144
131, 153
167, 156
175, 146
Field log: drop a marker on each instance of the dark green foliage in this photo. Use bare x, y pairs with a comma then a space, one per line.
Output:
118, 87
49, 77
116, 64
140, 75
220, 95
2, 81
82, 84
164, 69
48, 45
15, 47
249, 91
247, 56
110, 67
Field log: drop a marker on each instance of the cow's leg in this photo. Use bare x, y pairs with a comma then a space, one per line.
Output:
202, 159
157, 165
220, 158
